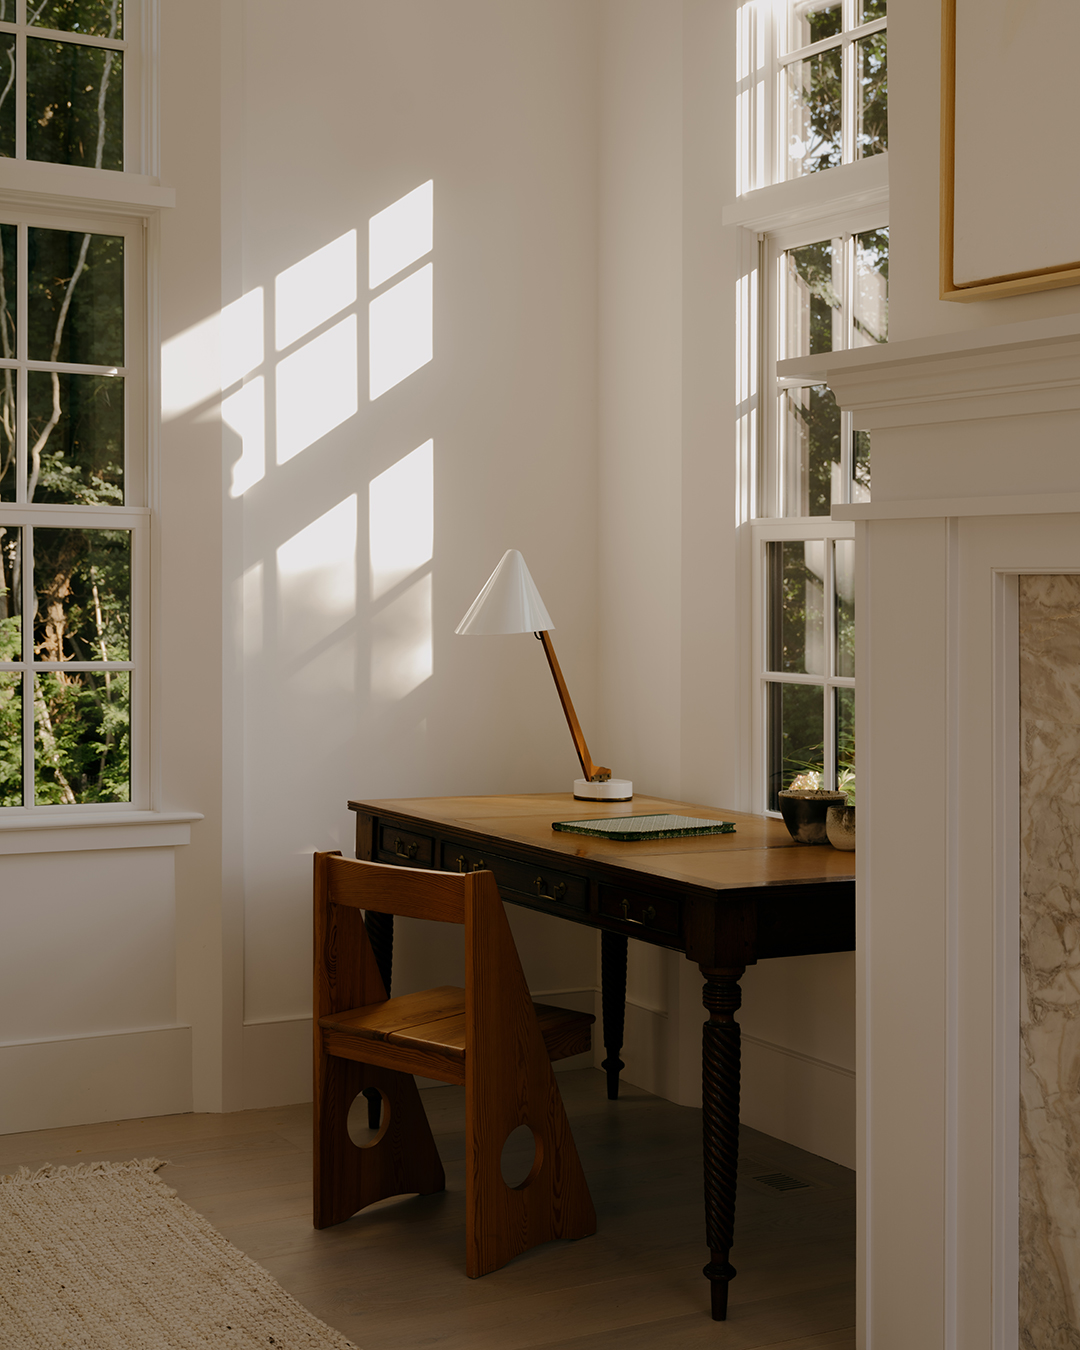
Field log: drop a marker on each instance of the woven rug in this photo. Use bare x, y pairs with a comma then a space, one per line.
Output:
105, 1257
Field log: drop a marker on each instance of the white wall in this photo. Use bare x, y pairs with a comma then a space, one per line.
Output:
495, 105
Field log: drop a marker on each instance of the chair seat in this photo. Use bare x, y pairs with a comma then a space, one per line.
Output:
433, 1022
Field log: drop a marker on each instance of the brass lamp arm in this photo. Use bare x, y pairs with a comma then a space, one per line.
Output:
594, 773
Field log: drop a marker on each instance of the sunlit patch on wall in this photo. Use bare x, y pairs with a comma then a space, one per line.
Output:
401, 234
245, 413
314, 289
241, 337
317, 579
401, 642
316, 389
401, 519
400, 331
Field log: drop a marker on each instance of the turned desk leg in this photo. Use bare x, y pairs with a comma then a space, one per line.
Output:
613, 1003
380, 931
720, 1118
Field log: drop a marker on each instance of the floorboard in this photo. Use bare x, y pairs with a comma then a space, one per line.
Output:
393, 1277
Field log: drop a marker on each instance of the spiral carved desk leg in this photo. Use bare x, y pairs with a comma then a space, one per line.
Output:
380, 931
720, 1117
613, 1002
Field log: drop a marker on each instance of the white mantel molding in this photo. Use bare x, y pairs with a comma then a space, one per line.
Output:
1034, 504
1011, 370
64, 832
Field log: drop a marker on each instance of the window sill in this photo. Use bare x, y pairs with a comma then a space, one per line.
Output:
36, 183
815, 197
27, 832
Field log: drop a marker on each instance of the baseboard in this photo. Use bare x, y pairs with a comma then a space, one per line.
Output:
804, 1101
81, 1080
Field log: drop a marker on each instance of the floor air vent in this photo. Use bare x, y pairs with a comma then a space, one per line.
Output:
780, 1181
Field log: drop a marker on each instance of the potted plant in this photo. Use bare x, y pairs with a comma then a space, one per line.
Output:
840, 820
805, 804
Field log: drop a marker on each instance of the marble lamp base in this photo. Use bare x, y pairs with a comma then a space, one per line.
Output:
611, 790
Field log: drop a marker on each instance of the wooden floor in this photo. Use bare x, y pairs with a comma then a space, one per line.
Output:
393, 1278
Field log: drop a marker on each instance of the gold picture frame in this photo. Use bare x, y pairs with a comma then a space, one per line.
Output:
990, 287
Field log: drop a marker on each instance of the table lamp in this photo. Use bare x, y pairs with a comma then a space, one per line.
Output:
510, 603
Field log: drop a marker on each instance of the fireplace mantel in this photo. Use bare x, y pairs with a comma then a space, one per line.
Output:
975, 463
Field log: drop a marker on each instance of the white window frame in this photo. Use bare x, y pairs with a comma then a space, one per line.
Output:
775, 213
797, 530
134, 515
131, 46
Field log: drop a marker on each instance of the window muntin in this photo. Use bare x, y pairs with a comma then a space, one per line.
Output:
73, 520
62, 62
833, 85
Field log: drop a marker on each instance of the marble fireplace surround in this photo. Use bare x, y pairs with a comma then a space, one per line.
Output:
976, 497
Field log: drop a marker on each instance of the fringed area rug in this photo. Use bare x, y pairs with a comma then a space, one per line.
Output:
105, 1257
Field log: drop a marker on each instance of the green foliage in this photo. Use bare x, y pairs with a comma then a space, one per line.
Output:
67, 120
873, 129
100, 18
82, 737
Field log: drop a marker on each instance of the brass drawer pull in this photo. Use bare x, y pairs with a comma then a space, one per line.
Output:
558, 890
647, 914
404, 850
464, 866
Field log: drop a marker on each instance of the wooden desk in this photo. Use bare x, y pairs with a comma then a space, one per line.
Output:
726, 901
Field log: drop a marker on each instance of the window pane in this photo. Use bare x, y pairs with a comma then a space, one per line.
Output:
812, 298
796, 715
99, 18
7, 436
844, 571
81, 736
813, 112
871, 307
82, 590
872, 132
813, 20
76, 297
10, 593
7, 92
75, 431
796, 569
74, 104
860, 465
845, 739
810, 428
10, 738
7, 11
869, 10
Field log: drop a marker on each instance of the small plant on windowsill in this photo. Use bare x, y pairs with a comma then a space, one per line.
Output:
809, 809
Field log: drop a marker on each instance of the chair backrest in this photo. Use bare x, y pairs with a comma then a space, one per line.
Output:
411, 892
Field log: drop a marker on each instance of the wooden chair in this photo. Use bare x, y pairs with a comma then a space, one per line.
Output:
489, 1036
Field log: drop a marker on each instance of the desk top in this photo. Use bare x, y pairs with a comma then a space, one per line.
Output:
760, 853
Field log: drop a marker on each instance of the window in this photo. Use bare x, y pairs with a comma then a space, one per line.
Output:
811, 97
74, 517
833, 84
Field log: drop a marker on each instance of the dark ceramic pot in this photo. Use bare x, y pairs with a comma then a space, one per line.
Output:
804, 811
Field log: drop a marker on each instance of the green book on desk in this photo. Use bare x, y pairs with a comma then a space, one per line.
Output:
629, 828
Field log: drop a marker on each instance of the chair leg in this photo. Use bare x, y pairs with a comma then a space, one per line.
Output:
402, 1161
553, 1202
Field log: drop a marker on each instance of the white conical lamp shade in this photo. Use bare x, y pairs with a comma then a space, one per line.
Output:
509, 602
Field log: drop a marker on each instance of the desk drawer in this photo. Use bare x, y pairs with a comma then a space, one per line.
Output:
653, 913
544, 886
403, 846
